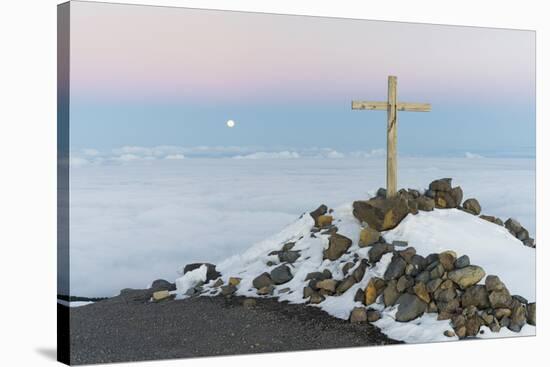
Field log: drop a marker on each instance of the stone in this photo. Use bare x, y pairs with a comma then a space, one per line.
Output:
522, 235
368, 236
432, 307
390, 293
500, 299
218, 283
433, 285
445, 295
324, 221
228, 290
473, 324
374, 289
532, 313
288, 246
359, 271
345, 284
462, 262
476, 296
316, 298
163, 285
381, 193
437, 271
444, 200
487, 318
359, 296
267, 290
423, 277
529, 243
249, 303
281, 274
404, 282
449, 333
284, 290
358, 314
409, 307
447, 260
505, 321
373, 315
161, 295
443, 184
317, 275
400, 243
321, 210
288, 256
513, 225
472, 206
490, 218
407, 254
493, 283
308, 291
450, 307
457, 195
234, 281
378, 250
347, 267
500, 313
495, 326
211, 272
327, 284
518, 318
381, 214
425, 203
415, 194
422, 292
262, 280
467, 276
337, 246
520, 299
395, 269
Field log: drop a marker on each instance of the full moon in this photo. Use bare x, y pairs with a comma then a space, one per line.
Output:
230, 123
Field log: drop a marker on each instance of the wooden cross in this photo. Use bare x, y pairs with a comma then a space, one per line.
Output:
392, 106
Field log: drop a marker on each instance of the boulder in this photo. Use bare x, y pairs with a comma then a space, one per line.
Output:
513, 226
160, 295
395, 269
316, 298
500, 313
472, 206
518, 318
211, 272
444, 200
447, 260
443, 184
317, 275
368, 236
490, 218
327, 284
308, 291
359, 296
262, 280
381, 193
337, 246
425, 203
476, 296
228, 290
409, 307
421, 291
433, 285
457, 195
467, 276
381, 214
288, 246
407, 254
321, 210
462, 262
522, 235
345, 284
359, 271
390, 293
404, 282
267, 290
378, 250
163, 285
530, 242
358, 314
324, 221
532, 314
373, 315
500, 299
288, 256
375, 287
281, 274
234, 281
423, 277
347, 267
493, 283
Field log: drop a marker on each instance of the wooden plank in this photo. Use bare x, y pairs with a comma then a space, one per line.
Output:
383, 106
391, 163
368, 105
414, 107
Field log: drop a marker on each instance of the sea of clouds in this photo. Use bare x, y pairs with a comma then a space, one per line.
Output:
138, 214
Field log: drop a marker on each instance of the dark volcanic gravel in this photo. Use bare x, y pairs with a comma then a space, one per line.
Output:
117, 329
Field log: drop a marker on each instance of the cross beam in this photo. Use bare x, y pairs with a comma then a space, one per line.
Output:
391, 106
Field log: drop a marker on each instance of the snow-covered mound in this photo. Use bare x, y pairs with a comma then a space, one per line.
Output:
488, 245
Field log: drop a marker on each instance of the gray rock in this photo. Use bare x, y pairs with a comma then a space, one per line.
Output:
520, 299
410, 307
500, 299
373, 315
493, 283
476, 296
345, 284
529, 243
467, 276
532, 314
430, 194
433, 284
395, 269
423, 277
472, 206
381, 193
316, 298
462, 262
378, 250
228, 290
321, 210
359, 296
338, 245
457, 195
492, 219
390, 293
445, 295
404, 282
308, 292
518, 318
425, 203
414, 193
347, 267
288, 256
444, 200
163, 285
281, 274
317, 275
522, 235
262, 280
211, 272
288, 246
449, 307
407, 254
447, 260
443, 184
437, 271
358, 314
400, 243
359, 271
513, 225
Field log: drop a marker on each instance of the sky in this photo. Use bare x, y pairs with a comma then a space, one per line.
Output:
152, 76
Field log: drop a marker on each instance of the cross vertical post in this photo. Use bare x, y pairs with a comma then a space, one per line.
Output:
391, 151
